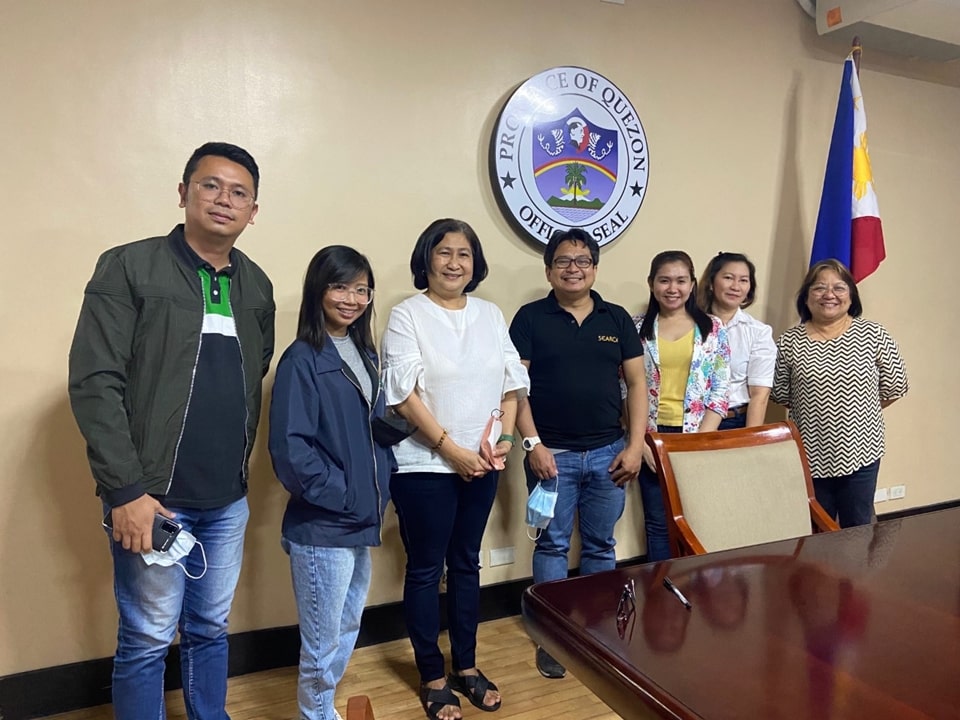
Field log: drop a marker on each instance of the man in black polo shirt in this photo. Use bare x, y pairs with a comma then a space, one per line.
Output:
574, 345
174, 337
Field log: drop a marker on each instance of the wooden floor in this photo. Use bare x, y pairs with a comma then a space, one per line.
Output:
387, 674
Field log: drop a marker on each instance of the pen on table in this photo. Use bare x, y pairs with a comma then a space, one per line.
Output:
668, 584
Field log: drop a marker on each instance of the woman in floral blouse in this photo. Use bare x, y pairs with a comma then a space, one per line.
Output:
687, 361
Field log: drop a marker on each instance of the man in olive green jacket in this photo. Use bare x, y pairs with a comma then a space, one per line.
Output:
173, 340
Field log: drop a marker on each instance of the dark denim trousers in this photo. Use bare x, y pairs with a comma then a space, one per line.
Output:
848, 499
442, 518
654, 509
732, 423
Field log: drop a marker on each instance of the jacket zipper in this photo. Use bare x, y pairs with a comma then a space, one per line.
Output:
193, 377
373, 449
246, 405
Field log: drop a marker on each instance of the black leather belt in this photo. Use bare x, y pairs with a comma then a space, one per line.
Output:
737, 411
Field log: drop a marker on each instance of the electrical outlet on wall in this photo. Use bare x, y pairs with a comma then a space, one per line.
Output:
880, 495
898, 491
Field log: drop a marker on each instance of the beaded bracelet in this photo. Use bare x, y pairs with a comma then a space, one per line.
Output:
443, 437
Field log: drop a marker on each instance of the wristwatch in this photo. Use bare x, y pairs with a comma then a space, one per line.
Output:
530, 443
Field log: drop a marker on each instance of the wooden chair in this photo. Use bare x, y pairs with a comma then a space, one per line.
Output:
736, 488
359, 708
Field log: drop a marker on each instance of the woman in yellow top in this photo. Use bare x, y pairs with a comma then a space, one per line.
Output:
687, 362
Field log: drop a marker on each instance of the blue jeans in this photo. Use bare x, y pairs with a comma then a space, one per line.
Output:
584, 488
330, 585
654, 510
848, 499
154, 601
442, 518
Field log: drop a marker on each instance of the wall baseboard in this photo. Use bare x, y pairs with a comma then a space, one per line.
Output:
63, 688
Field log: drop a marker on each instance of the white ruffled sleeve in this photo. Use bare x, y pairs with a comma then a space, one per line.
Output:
515, 375
402, 356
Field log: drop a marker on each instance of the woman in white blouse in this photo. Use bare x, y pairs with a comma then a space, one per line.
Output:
448, 364
728, 285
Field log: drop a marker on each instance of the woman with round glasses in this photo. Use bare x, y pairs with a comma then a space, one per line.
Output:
323, 423
448, 363
727, 287
687, 361
835, 373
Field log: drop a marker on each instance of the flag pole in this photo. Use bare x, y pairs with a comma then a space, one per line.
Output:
856, 53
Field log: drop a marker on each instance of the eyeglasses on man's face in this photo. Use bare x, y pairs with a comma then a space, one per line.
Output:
838, 289
565, 261
341, 292
210, 190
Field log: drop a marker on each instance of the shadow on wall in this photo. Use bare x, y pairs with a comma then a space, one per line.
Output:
52, 545
264, 596
789, 255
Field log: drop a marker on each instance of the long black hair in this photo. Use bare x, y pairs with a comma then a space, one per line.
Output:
333, 264
703, 321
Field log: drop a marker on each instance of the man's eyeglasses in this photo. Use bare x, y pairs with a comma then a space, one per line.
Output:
581, 261
628, 601
627, 610
341, 291
839, 289
209, 190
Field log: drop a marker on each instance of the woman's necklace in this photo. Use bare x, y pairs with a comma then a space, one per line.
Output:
831, 334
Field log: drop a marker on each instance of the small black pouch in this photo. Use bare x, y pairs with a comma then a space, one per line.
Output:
391, 429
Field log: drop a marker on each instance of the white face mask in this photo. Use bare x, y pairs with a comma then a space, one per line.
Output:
182, 546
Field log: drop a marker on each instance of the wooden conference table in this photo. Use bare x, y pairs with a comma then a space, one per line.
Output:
861, 623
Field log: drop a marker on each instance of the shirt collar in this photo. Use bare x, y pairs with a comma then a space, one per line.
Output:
190, 257
738, 317
553, 305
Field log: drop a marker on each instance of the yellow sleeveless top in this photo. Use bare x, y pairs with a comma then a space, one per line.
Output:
675, 359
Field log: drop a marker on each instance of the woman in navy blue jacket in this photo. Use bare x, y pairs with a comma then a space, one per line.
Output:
327, 400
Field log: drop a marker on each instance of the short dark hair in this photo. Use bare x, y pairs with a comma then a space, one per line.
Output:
856, 307
233, 153
431, 237
714, 267
333, 264
574, 235
702, 320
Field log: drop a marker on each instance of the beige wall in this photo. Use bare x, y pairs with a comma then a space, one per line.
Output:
371, 119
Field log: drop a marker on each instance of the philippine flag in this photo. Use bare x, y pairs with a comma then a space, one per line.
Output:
848, 225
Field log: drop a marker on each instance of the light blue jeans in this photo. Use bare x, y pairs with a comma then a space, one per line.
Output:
154, 601
330, 585
584, 489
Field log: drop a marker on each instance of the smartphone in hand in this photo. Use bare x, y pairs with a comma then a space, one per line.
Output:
165, 530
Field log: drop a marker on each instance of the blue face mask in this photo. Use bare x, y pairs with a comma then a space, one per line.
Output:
540, 507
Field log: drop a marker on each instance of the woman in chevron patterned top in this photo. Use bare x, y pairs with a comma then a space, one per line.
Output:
835, 373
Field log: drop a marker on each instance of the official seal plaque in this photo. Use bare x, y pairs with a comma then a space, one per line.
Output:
569, 151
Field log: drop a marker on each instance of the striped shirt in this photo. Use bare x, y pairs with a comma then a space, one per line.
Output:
833, 390
208, 465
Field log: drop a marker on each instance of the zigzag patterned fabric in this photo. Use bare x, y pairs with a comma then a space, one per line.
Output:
834, 390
